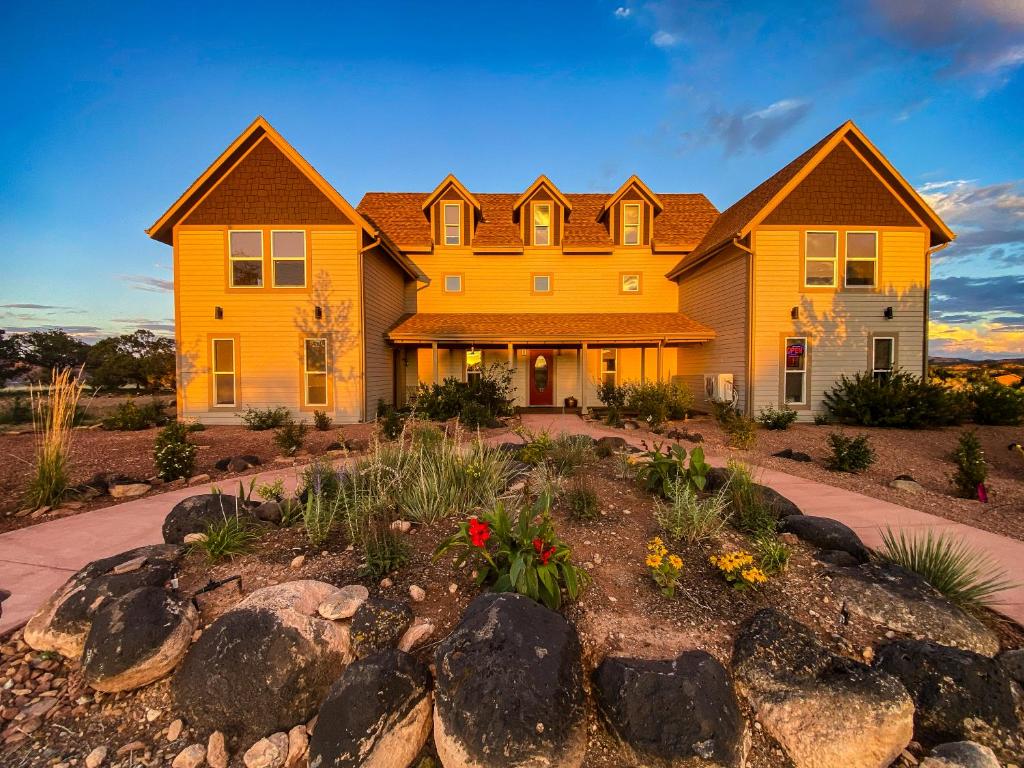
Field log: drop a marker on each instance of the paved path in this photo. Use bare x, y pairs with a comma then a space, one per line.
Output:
34, 561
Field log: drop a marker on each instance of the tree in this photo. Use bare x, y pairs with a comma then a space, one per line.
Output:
141, 358
10, 356
53, 349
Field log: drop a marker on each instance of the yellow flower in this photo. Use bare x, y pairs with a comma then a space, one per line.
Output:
754, 576
675, 561
653, 561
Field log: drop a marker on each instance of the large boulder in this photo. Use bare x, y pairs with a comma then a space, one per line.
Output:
196, 513
264, 665
1013, 662
825, 710
137, 638
673, 712
376, 714
826, 533
62, 623
961, 754
509, 688
379, 624
900, 600
958, 695
718, 479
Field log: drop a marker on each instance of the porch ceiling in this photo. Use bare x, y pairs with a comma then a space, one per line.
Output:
548, 328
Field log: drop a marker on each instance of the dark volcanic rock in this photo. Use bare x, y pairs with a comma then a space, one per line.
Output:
789, 453
836, 557
509, 688
379, 624
673, 711
1013, 663
826, 533
606, 446
961, 754
196, 513
781, 507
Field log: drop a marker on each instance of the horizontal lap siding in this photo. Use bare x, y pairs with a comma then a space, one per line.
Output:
385, 304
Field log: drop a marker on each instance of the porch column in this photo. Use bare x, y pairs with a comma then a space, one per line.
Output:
643, 364
583, 376
433, 354
511, 356
659, 361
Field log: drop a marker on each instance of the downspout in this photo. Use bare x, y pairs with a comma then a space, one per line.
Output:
927, 302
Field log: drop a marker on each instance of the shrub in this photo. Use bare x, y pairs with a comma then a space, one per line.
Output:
128, 417
995, 404
738, 569
662, 471
656, 402
231, 536
271, 491
518, 553
965, 577
822, 419
772, 555
390, 420
581, 499
740, 429
664, 568
777, 418
262, 419
290, 435
385, 550
535, 449
322, 421
53, 414
475, 416
568, 453
898, 400
320, 477
173, 455
490, 394
687, 518
971, 469
750, 512
613, 397
18, 412
849, 454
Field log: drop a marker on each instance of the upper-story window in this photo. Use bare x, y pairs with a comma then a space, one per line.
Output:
542, 283
862, 259
452, 223
821, 253
288, 254
631, 219
542, 224
246, 258
453, 283
630, 283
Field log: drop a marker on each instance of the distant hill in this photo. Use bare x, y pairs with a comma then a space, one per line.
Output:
995, 363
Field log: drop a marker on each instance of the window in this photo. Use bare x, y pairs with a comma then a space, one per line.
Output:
288, 254
453, 283
883, 357
609, 359
820, 256
630, 283
315, 371
452, 224
474, 365
541, 224
223, 372
796, 370
861, 259
631, 224
246, 259
542, 283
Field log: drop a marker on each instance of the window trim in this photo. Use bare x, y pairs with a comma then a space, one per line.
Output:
214, 373
533, 284
445, 205
835, 260
615, 369
873, 260
804, 402
462, 282
306, 372
549, 226
274, 259
639, 283
232, 259
873, 354
639, 224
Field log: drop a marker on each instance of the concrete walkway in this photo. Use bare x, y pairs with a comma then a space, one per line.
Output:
35, 561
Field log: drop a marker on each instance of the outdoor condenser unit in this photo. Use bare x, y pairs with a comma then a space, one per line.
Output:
719, 387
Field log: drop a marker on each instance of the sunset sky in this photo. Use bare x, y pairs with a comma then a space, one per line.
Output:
112, 110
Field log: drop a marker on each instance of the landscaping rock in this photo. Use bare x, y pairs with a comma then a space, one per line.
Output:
825, 533
298, 747
127, 490
137, 638
269, 512
357, 444
174, 729
886, 594
417, 594
961, 754
379, 624
673, 711
217, 751
96, 758
196, 513
1013, 663
781, 507
264, 665
825, 710
836, 557
377, 713
509, 689
910, 486
415, 635
62, 623
190, 757
270, 752
344, 603
240, 464
606, 446
958, 695
789, 453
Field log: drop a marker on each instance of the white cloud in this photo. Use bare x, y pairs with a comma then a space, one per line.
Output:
147, 283
622, 12
664, 39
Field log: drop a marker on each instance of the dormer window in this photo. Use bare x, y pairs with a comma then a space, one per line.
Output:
452, 224
542, 224
631, 223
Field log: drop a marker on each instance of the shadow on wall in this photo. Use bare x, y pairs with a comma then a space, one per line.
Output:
336, 324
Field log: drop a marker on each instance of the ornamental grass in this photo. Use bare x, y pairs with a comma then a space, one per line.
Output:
53, 415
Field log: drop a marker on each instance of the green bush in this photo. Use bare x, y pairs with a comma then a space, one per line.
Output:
581, 499
971, 469
262, 419
613, 397
318, 517
750, 512
687, 518
899, 400
226, 538
390, 420
849, 454
290, 435
568, 453
822, 420
322, 421
662, 471
777, 418
738, 427
18, 412
483, 398
384, 549
476, 415
173, 455
320, 477
996, 404
129, 417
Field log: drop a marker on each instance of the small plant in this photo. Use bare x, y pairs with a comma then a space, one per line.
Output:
271, 491
320, 477
742, 431
581, 499
390, 420
971, 468
664, 568
129, 417
318, 517
173, 455
613, 397
262, 419
777, 418
965, 577
688, 518
772, 555
536, 447
385, 550
53, 414
227, 538
322, 421
290, 436
568, 453
662, 470
751, 513
822, 419
849, 454
738, 569
996, 404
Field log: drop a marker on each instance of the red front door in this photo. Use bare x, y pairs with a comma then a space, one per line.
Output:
541, 374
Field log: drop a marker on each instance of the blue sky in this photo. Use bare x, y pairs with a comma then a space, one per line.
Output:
112, 110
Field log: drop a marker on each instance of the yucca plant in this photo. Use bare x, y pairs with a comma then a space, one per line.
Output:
53, 415
964, 576
231, 536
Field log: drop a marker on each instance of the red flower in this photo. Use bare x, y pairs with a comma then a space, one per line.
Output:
479, 532
538, 545
546, 555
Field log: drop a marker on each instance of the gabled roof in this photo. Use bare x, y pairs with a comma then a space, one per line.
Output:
632, 181
746, 213
542, 181
450, 180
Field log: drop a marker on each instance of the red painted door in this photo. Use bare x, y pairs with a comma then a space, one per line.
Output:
542, 382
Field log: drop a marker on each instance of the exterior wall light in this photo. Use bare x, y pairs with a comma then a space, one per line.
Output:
318, 313
795, 313
888, 313
218, 313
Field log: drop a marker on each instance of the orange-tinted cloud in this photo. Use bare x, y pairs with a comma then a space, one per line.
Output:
984, 337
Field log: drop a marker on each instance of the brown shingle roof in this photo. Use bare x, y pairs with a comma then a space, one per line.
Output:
550, 327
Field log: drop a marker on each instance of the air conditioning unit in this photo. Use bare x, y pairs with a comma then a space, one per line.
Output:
719, 387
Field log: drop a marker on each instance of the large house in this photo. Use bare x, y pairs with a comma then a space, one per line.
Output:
287, 295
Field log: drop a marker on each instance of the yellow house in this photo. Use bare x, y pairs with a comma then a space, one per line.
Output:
286, 295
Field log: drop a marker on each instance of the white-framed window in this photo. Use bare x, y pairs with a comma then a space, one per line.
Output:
474, 364
245, 257
452, 223
883, 357
821, 253
288, 256
453, 283
630, 283
314, 371
861, 259
542, 224
609, 366
631, 218
795, 362
222, 368
542, 283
